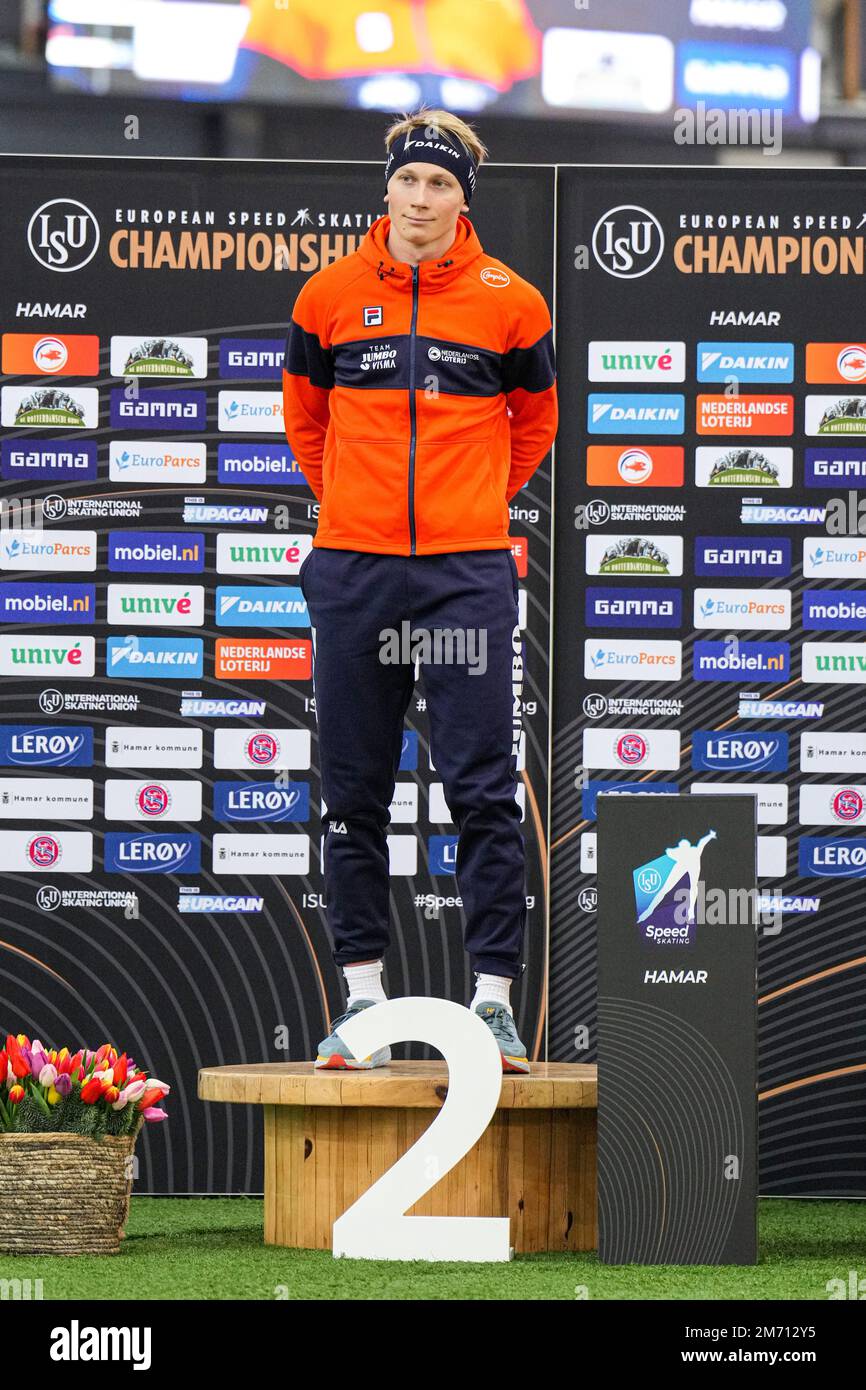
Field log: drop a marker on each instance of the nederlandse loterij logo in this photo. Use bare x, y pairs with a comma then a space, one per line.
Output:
63, 234
627, 241
666, 891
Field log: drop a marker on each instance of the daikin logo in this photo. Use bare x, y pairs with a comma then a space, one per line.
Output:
748, 362
628, 241
639, 413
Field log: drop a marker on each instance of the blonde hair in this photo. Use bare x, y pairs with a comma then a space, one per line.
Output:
433, 120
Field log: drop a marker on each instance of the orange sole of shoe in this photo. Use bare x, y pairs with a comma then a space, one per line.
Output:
335, 1060
515, 1064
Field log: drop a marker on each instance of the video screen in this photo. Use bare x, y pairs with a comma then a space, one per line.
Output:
621, 59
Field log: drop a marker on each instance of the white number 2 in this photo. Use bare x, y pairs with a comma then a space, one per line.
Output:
375, 1227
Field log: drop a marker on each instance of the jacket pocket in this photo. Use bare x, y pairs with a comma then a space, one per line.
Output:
366, 500
457, 498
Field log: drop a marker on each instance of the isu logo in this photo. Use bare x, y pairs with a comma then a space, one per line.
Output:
627, 241
491, 275
63, 234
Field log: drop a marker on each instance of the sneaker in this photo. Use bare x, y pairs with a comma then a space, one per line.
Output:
501, 1024
333, 1052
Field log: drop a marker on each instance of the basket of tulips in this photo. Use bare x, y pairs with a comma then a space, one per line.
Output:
68, 1126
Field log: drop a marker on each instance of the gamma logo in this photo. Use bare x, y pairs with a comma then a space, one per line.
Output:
627, 241
63, 234
666, 891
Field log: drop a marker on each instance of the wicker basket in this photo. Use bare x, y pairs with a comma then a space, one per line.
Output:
63, 1193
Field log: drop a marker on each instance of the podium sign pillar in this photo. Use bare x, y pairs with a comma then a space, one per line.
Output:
678, 916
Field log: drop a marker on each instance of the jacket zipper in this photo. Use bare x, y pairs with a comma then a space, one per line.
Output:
412, 409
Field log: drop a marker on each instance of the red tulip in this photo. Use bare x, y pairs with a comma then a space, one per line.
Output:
17, 1061
91, 1091
148, 1097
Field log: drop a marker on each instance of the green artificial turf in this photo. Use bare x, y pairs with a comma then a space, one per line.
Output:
212, 1248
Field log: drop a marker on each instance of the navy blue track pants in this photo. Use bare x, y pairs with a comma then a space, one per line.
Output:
358, 603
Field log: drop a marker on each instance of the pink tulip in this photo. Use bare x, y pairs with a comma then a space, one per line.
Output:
48, 1075
153, 1113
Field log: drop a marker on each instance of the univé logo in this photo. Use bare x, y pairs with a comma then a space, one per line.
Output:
63, 234
627, 241
666, 891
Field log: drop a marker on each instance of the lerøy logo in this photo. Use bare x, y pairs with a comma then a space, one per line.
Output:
627, 241
665, 907
63, 234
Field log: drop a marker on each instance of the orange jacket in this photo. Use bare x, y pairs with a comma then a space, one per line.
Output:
418, 399
494, 42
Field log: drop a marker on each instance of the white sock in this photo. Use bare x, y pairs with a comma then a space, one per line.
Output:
364, 981
492, 989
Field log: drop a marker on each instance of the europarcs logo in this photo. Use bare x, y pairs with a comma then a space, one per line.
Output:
63, 235
628, 241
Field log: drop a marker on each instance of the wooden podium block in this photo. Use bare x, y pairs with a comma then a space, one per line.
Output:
330, 1134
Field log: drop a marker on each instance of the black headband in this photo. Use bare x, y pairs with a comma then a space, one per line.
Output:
426, 145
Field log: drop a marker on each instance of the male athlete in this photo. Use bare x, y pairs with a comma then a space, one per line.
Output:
420, 395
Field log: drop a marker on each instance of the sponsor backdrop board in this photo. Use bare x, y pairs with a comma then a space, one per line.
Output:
677, 1038
711, 609
160, 811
